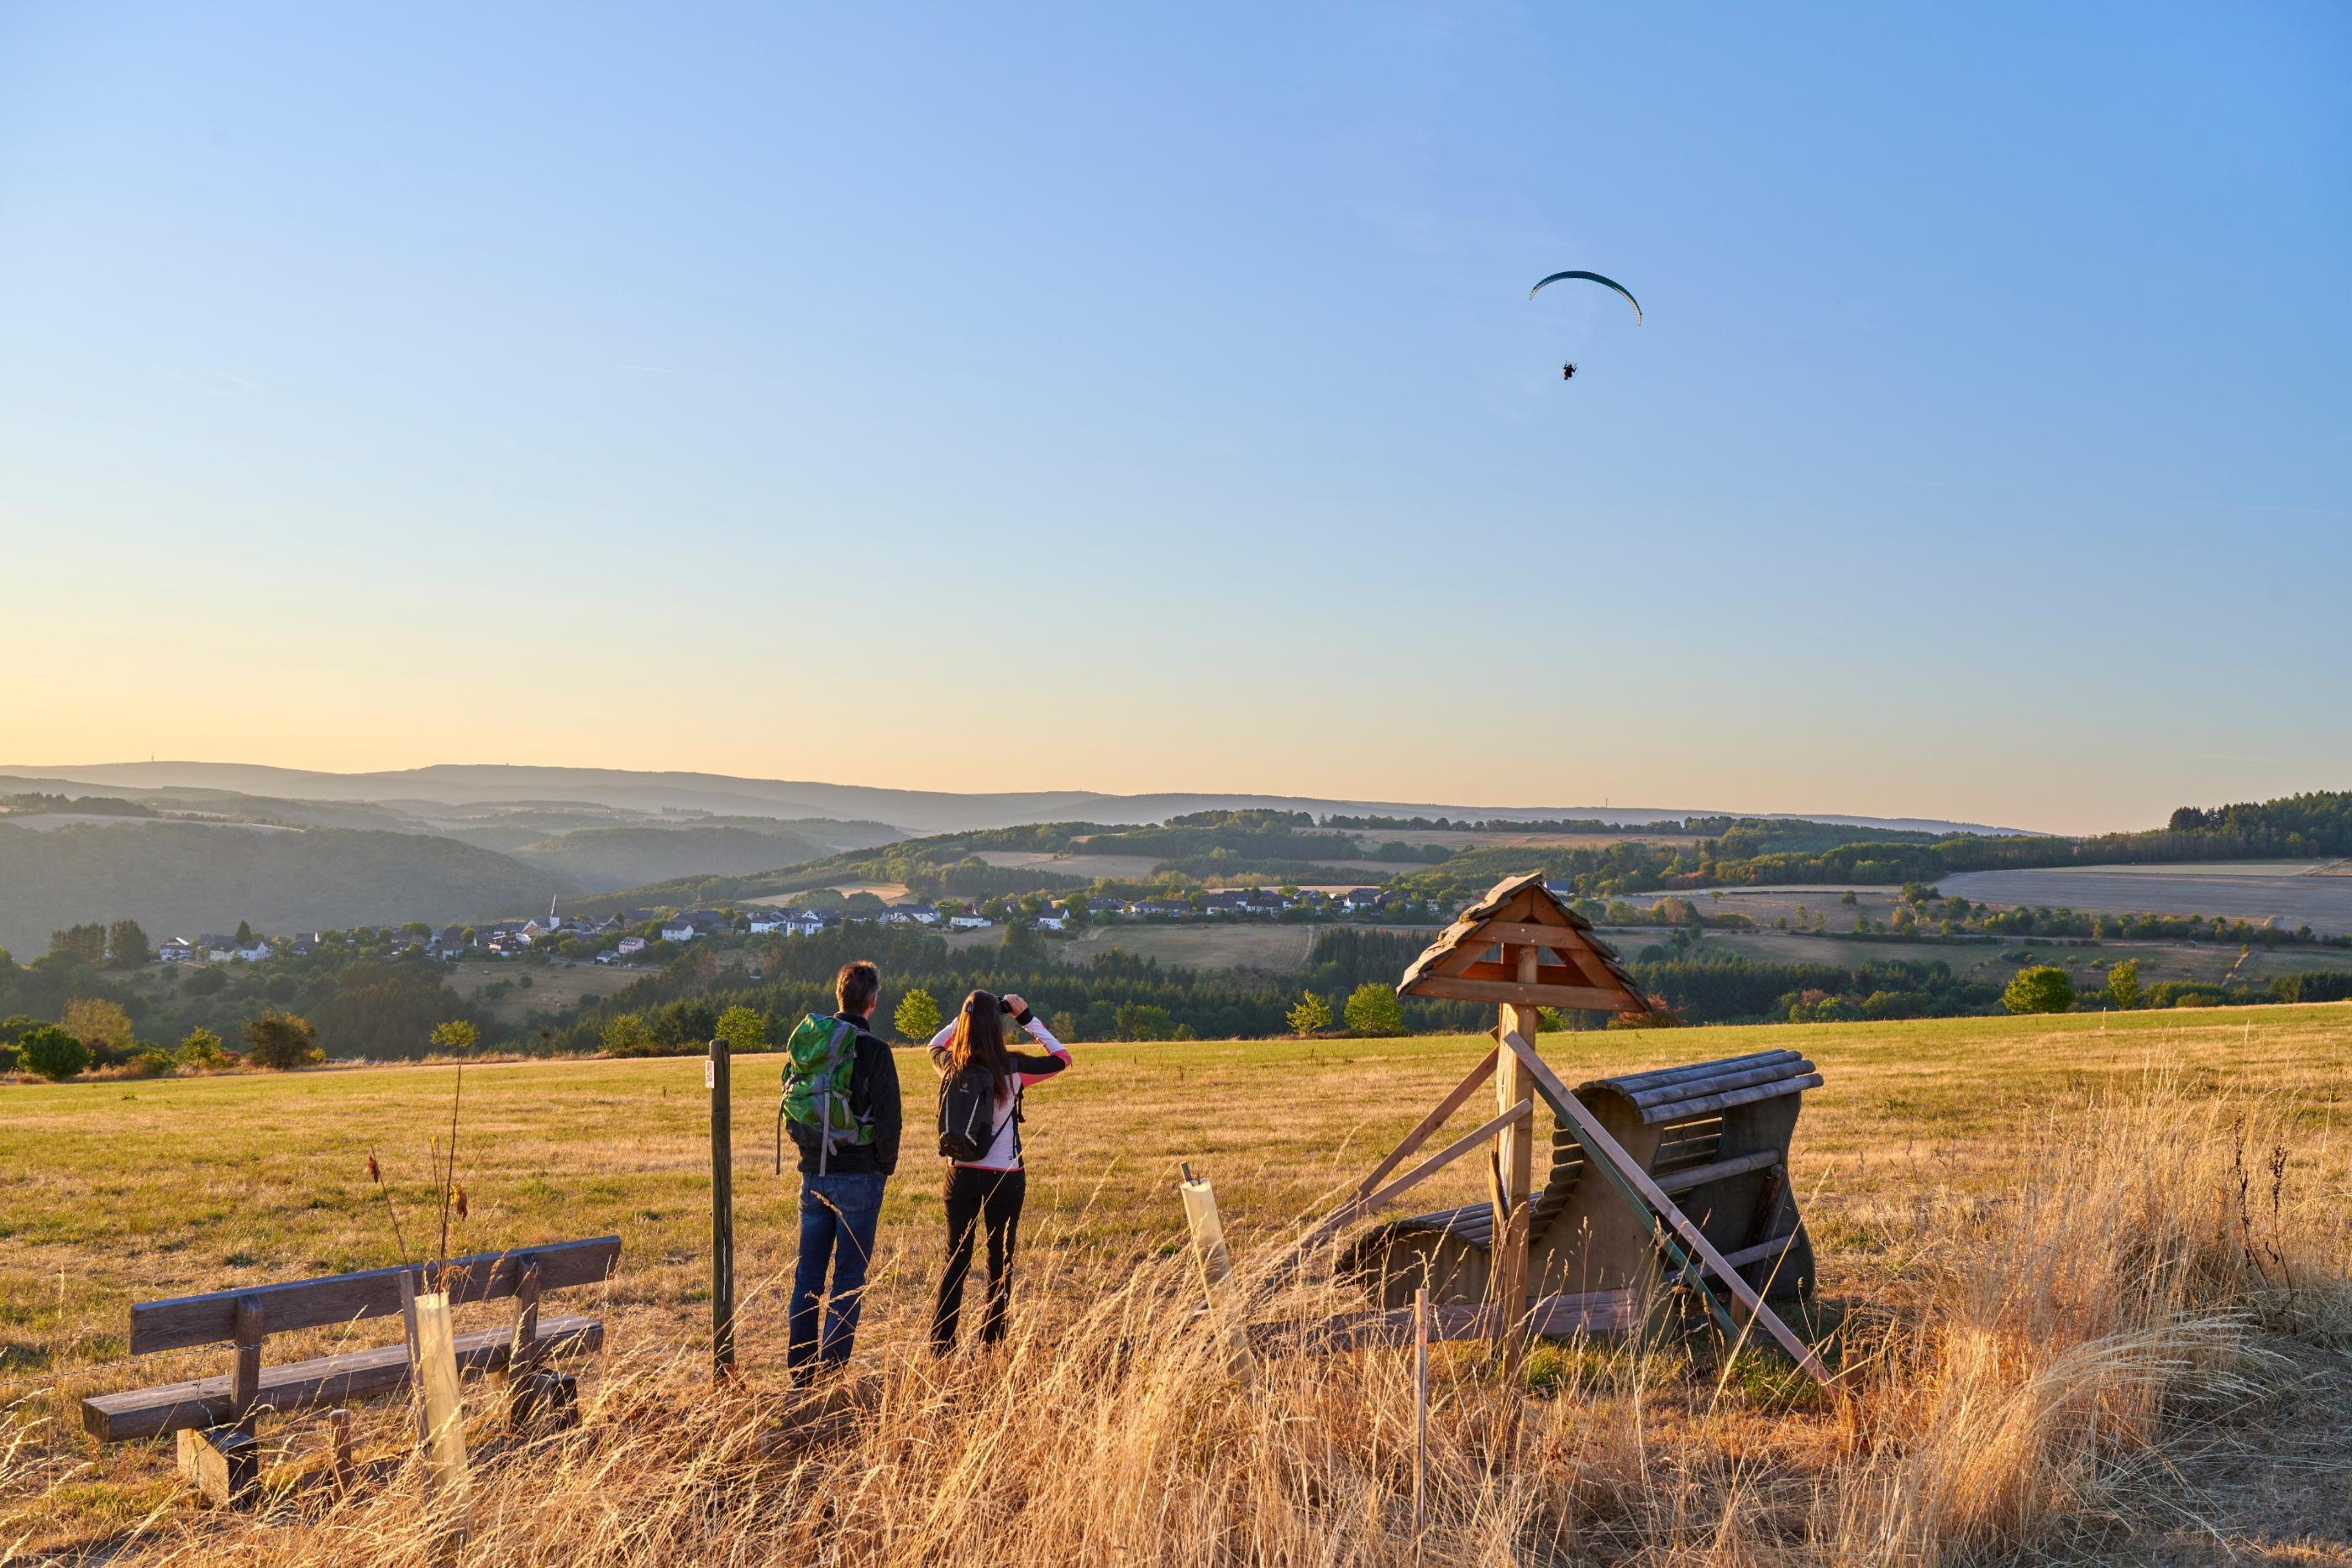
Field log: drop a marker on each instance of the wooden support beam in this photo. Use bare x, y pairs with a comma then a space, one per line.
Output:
222, 1462
245, 1382
1591, 997
1604, 1150
1515, 1165
1456, 1098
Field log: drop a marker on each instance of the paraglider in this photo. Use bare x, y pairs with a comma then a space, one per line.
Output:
1567, 371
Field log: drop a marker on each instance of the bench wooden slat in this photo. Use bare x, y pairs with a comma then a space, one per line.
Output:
187, 1321
308, 1384
1556, 1317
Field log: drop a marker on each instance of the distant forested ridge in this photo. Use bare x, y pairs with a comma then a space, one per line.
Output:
183, 879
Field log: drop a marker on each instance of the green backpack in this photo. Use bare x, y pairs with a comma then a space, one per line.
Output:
820, 1056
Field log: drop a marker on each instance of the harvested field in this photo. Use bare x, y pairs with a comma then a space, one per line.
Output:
2071, 1332
1252, 945
2292, 892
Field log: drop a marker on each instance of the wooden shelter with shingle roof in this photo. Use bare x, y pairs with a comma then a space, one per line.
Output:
1633, 1158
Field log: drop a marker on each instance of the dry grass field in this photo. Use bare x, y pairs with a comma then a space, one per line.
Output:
2081, 1319
1231, 943
553, 987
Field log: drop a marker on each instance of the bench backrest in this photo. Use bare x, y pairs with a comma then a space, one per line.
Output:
187, 1321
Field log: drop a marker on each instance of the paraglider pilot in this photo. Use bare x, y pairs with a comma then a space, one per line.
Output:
1568, 372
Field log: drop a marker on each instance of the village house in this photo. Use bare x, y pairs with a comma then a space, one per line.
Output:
701, 923
969, 922
449, 943
1052, 920
222, 949
628, 945
1356, 900
912, 914
178, 950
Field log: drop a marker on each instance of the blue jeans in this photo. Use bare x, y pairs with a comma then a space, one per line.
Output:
839, 1213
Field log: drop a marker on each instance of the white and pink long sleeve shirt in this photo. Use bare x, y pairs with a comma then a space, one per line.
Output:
1004, 1150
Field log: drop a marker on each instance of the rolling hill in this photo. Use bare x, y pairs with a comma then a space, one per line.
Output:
918, 811
185, 878
605, 860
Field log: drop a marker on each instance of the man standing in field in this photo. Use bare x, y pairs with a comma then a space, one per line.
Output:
846, 1120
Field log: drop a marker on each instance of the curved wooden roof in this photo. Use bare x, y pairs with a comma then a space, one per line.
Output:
1582, 971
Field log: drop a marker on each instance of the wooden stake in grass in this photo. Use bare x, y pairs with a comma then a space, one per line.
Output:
1420, 1414
449, 1176
376, 1175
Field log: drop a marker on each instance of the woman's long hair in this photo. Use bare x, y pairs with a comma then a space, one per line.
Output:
980, 1039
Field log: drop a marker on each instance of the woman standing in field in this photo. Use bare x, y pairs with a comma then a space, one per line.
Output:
979, 1127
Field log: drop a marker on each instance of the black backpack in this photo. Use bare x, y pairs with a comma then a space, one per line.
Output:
968, 1124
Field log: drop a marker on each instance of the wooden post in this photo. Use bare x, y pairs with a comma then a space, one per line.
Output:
716, 1076
1515, 1154
339, 1423
523, 1349
245, 1382
1420, 1414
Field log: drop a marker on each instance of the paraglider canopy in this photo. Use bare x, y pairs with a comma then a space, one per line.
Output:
1593, 277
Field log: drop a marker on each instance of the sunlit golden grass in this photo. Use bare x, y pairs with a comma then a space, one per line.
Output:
2063, 1264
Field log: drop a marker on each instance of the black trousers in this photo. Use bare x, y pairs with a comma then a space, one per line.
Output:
974, 1195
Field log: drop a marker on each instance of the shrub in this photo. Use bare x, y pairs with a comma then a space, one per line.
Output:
7, 1058
151, 1061
745, 1030
1312, 1013
2122, 983
917, 1017
52, 1053
2043, 988
1373, 1009
201, 1050
281, 1042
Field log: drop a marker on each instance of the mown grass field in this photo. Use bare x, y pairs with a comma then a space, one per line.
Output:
116, 1192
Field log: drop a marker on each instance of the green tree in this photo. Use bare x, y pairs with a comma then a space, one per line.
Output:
1077, 911
457, 1034
202, 1047
2043, 988
98, 1024
243, 934
743, 1029
1373, 1009
2122, 983
1312, 1013
127, 947
52, 1053
627, 1034
1145, 1020
917, 1017
280, 1042
79, 944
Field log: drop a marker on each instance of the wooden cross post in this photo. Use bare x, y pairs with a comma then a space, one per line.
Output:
1514, 1158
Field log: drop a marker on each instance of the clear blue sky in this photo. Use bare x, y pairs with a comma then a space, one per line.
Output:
663, 386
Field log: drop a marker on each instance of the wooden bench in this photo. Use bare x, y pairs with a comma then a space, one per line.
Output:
216, 1416
1713, 1136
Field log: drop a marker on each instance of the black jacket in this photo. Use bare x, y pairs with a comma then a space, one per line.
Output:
873, 1091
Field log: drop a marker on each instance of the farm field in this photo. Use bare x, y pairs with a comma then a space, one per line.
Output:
553, 987
1234, 944
2293, 893
1922, 1133
2086, 961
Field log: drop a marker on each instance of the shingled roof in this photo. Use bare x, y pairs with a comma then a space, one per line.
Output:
1582, 971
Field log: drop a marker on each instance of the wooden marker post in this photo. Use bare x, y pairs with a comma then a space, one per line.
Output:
1514, 1156
1420, 1414
717, 1077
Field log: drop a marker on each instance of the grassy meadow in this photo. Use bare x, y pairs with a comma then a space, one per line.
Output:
2083, 1317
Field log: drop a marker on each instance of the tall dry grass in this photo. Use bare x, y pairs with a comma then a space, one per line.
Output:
2027, 1393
